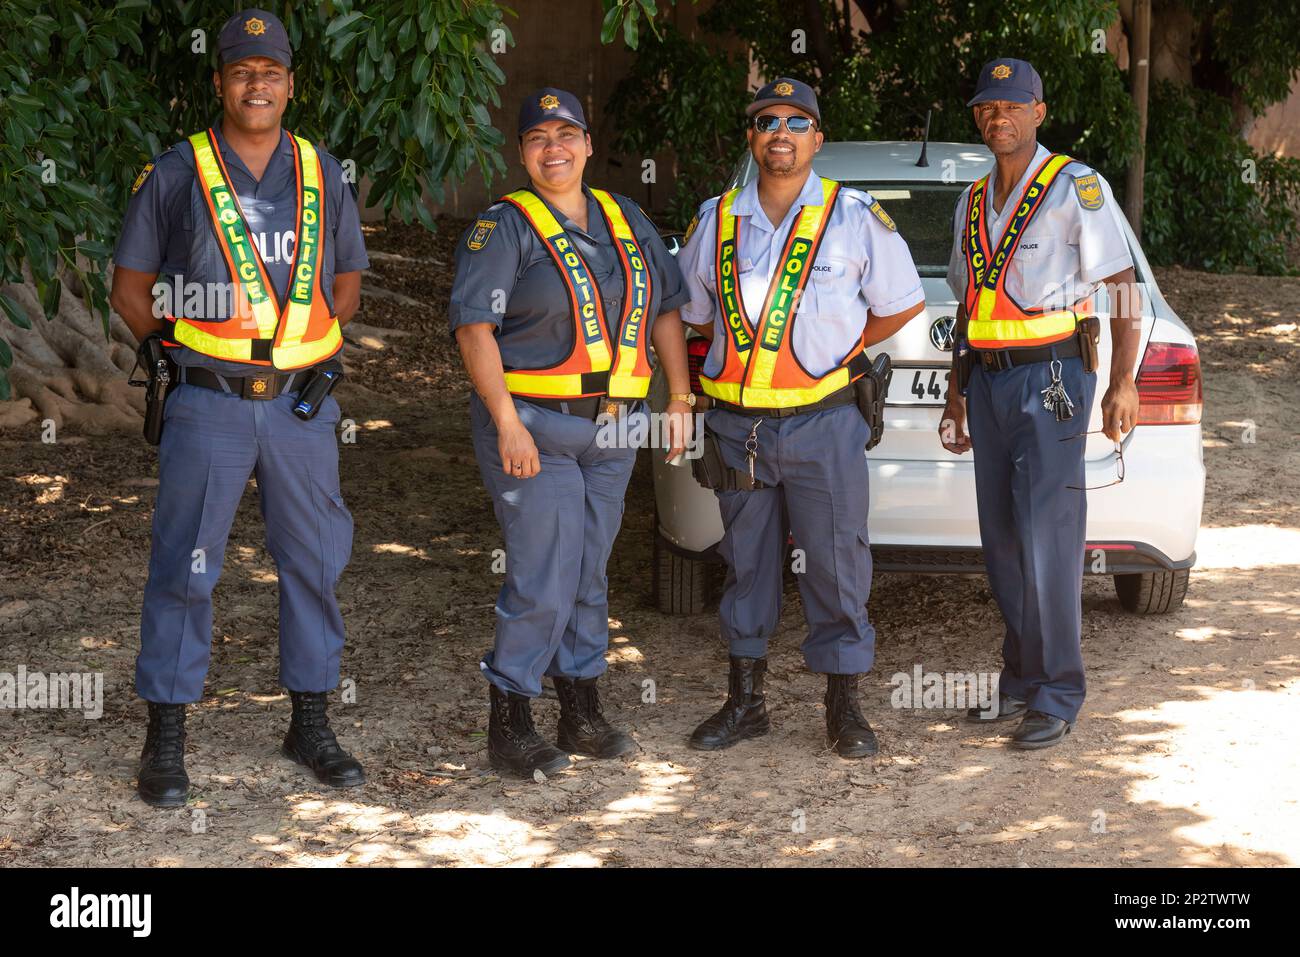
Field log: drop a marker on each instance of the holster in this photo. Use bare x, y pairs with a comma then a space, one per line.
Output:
963, 364
1089, 333
161, 378
871, 390
711, 471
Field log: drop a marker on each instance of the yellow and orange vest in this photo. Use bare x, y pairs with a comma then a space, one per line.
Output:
993, 319
770, 376
303, 332
598, 364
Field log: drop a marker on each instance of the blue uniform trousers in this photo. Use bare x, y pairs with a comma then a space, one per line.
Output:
1032, 526
559, 528
818, 464
212, 442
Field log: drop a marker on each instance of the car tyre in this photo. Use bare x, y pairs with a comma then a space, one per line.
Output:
681, 584
1152, 593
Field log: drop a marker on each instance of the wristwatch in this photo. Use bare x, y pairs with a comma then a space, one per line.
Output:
687, 397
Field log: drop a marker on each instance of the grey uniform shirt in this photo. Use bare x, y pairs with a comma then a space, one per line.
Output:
862, 264
1066, 250
161, 218
512, 282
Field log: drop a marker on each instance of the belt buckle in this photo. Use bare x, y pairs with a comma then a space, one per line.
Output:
611, 408
257, 387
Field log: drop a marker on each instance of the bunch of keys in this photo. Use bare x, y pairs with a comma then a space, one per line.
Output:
751, 448
1055, 399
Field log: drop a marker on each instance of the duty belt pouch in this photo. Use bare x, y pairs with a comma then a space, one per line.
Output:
319, 382
709, 469
712, 472
871, 390
1089, 336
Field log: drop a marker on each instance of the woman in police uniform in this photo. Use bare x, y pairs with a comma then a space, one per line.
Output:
560, 290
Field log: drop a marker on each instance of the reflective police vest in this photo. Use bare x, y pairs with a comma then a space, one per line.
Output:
258, 331
770, 375
994, 319
587, 369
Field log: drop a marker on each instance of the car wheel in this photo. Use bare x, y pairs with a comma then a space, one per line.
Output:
1152, 593
680, 583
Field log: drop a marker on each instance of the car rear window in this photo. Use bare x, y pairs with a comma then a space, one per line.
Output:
923, 212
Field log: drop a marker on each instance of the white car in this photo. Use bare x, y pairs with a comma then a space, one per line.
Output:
923, 517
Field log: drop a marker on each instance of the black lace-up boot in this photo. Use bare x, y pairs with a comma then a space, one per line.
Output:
743, 715
846, 730
513, 742
162, 781
311, 742
582, 727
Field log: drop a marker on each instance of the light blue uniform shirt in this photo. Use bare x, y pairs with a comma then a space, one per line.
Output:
861, 265
1065, 251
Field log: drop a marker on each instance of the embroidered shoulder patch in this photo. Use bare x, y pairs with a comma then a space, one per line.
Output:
690, 230
1088, 189
139, 180
885, 219
480, 234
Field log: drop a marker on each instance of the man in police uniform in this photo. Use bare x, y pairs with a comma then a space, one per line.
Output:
560, 289
257, 287
1033, 243
792, 277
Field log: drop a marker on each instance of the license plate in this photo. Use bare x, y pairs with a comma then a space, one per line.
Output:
919, 385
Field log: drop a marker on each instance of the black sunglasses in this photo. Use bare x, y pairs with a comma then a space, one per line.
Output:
769, 123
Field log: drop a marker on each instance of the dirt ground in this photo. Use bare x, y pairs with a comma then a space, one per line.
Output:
1184, 755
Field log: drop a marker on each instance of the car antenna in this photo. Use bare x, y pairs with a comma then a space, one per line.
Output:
925, 141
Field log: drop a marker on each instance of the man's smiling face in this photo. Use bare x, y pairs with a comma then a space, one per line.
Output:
783, 153
255, 92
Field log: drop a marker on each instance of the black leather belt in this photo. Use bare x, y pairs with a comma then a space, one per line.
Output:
845, 396
587, 408
266, 386
995, 360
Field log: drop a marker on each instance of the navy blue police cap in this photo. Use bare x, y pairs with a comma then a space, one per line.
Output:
788, 91
1006, 79
254, 33
550, 103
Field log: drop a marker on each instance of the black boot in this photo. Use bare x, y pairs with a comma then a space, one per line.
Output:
743, 715
310, 741
162, 780
513, 742
846, 730
582, 728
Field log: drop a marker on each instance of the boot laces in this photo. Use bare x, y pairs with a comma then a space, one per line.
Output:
166, 736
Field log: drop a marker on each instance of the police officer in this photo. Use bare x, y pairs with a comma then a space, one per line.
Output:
559, 291
1034, 241
258, 238
793, 276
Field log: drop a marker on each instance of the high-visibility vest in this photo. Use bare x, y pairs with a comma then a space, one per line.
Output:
994, 319
593, 367
770, 376
301, 333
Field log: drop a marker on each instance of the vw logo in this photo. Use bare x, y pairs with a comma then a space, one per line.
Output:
941, 332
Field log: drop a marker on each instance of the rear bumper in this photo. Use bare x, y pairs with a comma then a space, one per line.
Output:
1099, 558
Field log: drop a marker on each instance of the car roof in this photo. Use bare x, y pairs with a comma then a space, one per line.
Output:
896, 161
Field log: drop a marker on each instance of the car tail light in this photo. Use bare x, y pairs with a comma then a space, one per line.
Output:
1169, 385
696, 349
